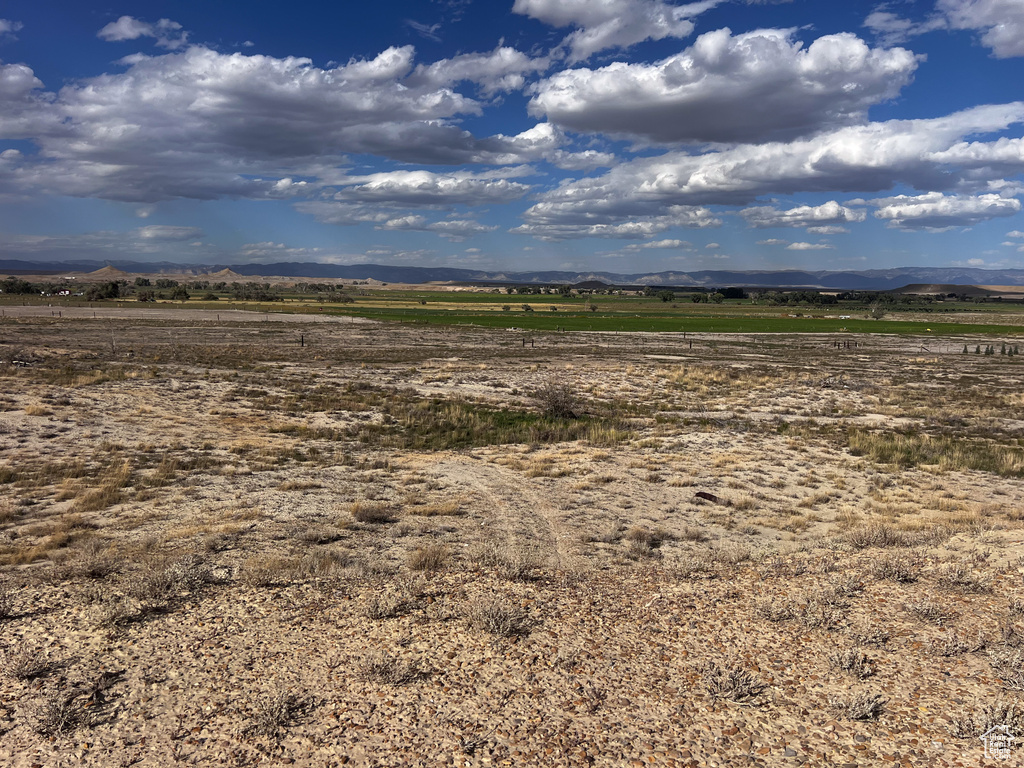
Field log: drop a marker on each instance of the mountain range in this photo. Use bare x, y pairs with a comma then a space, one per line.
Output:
870, 279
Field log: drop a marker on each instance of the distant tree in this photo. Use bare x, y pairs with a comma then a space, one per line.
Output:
527, 308
506, 307
164, 282
17, 285
593, 307
102, 291
142, 282
145, 296
210, 296
666, 296
734, 293
180, 293
717, 298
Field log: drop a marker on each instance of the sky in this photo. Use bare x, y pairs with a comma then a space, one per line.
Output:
589, 135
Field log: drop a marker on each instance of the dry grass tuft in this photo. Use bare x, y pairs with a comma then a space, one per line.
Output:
429, 557
371, 512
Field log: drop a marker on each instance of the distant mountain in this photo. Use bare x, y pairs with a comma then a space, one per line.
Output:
868, 280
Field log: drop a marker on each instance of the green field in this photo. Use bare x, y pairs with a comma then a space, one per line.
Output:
612, 313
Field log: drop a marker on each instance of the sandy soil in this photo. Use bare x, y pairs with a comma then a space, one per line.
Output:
219, 544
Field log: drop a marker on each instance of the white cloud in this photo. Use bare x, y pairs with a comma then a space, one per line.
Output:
415, 188
602, 24
754, 87
668, 244
818, 217
429, 31
773, 241
869, 158
587, 160
1000, 22
809, 247
503, 69
938, 212
828, 230
8, 29
558, 222
456, 230
169, 233
202, 124
713, 246
1015, 233
168, 34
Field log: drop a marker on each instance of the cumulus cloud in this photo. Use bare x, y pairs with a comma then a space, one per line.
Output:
869, 158
503, 69
385, 200
1000, 22
417, 188
203, 124
168, 34
818, 217
612, 23
751, 87
938, 212
1015, 233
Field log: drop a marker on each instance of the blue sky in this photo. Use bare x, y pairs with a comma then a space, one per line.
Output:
618, 135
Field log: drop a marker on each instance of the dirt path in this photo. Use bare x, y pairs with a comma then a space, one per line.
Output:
522, 516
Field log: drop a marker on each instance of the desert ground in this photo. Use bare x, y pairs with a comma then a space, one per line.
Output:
230, 541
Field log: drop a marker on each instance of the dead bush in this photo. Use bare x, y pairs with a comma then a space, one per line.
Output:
853, 661
25, 665
859, 706
899, 568
273, 713
499, 618
391, 606
558, 399
732, 684
970, 724
878, 535
962, 578
59, 714
379, 667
